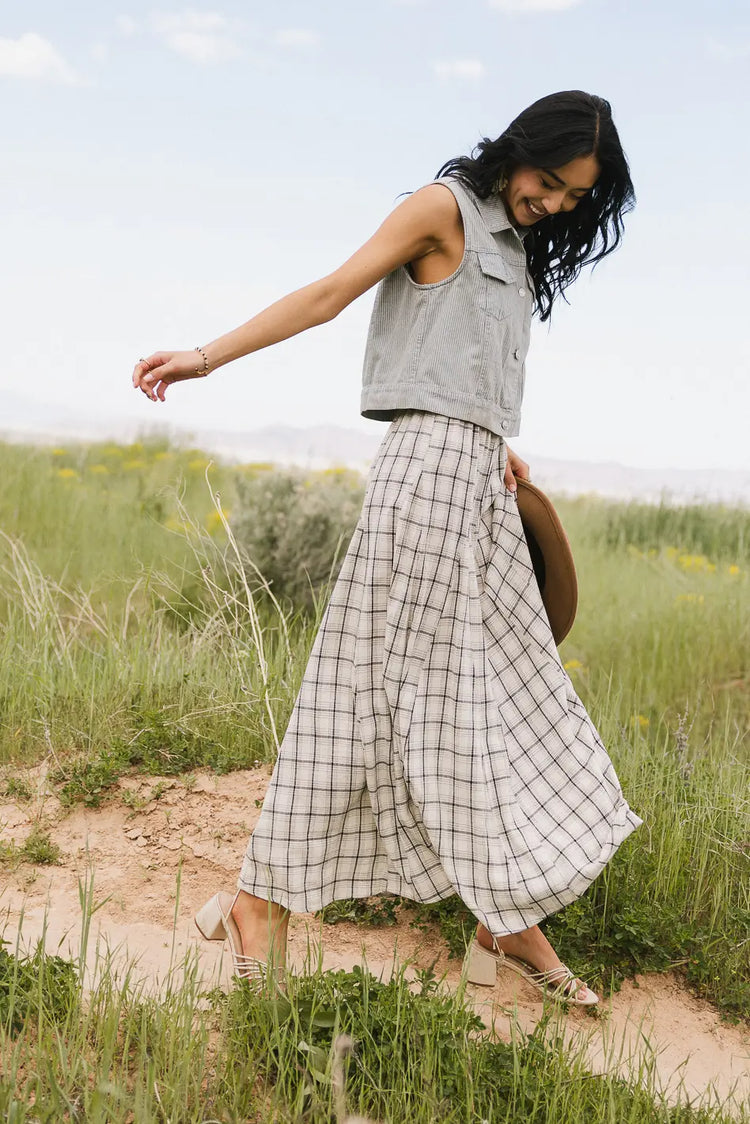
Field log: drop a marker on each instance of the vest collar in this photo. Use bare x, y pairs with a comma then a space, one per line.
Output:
496, 217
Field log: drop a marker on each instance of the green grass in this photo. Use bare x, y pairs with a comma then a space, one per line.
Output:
38, 848
36, 989
336, 1043
135, 637
120, 616
715, 531
16, 788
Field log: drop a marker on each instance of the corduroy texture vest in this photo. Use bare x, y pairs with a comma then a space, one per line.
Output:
457, 346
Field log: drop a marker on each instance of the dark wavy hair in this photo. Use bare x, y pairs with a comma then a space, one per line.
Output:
551, 132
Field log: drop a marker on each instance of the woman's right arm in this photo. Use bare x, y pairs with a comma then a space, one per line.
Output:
420, 225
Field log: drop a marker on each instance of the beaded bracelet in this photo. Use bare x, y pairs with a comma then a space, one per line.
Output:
205, 363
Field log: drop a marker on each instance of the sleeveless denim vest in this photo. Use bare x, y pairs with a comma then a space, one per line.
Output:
457, 346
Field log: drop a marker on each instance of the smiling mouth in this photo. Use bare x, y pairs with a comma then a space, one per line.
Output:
536, 211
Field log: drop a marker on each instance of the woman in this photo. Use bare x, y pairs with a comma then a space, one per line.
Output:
437, 746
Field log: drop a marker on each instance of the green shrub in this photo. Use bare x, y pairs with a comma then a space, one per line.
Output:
34, 987
87, 779
295, 527
18, 789
39, 848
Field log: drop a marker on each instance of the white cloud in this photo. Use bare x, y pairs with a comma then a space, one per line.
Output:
297, 37
533, 5
126, 25
31, 56
727, 51
208, 36
99, 52
472, 69
203, 37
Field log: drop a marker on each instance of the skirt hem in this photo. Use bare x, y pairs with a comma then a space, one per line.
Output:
310, 901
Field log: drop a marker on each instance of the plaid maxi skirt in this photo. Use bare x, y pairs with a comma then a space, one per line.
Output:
437, 745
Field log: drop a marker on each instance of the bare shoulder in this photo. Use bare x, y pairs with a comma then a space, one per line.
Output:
426, 222
433, 213
436, 201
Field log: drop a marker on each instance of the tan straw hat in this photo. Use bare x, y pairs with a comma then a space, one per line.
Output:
551, 557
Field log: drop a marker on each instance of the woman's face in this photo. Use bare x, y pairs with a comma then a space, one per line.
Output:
533, 193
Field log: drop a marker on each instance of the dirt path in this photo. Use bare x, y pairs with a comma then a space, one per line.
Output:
136, 844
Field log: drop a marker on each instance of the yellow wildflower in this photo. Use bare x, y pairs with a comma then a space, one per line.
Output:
695, 598
99, 469
59, 452
695, 564
255, 468
67, 473
573, 665
733, 570
641, 721
134, 465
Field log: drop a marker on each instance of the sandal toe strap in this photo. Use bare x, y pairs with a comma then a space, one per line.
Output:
559, 979
249, 967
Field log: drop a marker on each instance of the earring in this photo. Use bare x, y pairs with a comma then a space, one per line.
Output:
501, 184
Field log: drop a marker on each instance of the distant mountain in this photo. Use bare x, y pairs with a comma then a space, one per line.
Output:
650, 485
19, 414
320, 446
316, 446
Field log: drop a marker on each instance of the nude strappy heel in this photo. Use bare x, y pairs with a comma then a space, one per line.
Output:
214, 922
482, 964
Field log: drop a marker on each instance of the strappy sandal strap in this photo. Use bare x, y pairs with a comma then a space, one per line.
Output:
558, 982
250, 968
551, 981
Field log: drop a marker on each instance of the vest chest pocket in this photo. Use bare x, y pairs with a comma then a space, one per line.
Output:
499, 284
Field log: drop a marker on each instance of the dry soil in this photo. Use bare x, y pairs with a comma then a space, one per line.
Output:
154, 829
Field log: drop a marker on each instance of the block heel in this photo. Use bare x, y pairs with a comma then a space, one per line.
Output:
209, 920
481, 964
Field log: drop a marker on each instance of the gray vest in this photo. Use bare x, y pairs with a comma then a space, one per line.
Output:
456, 346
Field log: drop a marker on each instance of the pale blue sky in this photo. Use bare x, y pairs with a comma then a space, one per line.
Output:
170, 170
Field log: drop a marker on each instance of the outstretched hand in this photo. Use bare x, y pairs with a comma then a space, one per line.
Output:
514, 467
154, 374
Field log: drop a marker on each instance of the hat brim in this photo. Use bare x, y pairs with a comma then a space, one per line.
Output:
551, 557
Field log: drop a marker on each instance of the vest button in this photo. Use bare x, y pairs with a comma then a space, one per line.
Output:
517, 353
522, 292
503, 425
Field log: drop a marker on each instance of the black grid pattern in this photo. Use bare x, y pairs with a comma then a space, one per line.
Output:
437, 745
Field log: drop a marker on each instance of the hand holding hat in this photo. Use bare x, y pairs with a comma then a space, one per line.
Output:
514, 468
